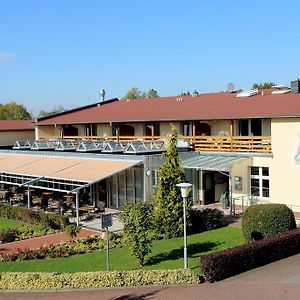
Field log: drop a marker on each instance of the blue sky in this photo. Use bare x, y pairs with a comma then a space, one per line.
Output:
62, 52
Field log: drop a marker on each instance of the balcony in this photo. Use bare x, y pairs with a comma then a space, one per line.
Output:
257, 144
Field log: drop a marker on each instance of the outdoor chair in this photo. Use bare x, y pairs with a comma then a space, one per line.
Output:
101, 206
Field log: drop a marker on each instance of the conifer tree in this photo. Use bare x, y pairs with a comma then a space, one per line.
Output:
168, 212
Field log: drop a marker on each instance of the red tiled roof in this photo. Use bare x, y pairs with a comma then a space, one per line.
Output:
11, 125
202, 107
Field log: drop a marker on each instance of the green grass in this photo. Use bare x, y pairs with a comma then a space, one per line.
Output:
7, 223
166, 254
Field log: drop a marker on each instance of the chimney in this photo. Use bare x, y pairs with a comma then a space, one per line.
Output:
102, 95
295, 86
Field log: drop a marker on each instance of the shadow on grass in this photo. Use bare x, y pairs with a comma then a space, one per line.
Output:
193, 250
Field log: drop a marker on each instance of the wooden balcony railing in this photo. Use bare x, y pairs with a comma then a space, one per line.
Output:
260, 144
234, 143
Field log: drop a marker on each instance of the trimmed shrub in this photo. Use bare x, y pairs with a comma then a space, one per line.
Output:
8, 235
265, 220
28, 216
230, 262
72, 230
24, 232
206, 219
10, 281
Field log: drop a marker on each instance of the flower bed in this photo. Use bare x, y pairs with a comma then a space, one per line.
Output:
84, 245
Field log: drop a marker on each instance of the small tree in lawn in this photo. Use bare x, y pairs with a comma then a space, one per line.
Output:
138, 228
168, 213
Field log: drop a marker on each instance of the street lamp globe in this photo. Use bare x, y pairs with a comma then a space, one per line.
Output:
184, 188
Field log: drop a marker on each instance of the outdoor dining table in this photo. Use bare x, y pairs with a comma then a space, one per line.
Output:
86, 208
37, 201
47, 194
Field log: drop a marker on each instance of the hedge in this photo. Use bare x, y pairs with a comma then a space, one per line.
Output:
233, 261
206, 219
265, 220
10, 280
28, 216
24, 232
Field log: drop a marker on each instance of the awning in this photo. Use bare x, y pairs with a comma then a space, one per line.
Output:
63, 171
212, 162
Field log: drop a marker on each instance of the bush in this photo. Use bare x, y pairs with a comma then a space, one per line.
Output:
265, 220
9, 235
28, 216
24, 232
72, 230
230, 262
138, 228
30, 231
28, 280
206, 219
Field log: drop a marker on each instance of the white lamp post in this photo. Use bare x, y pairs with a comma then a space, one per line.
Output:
184, 193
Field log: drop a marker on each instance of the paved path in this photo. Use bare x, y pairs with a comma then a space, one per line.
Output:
277, 281
38, 242
189, 292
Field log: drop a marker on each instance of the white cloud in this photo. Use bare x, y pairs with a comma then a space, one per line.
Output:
5, 56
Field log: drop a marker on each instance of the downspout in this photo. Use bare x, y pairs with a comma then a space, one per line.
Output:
117, 130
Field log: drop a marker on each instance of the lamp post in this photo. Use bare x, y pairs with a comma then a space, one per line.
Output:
184, 186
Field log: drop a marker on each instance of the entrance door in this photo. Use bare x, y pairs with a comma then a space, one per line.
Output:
209, 187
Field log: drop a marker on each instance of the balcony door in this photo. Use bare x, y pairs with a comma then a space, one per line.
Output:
202, 129
126, 130
250, 127
70, 130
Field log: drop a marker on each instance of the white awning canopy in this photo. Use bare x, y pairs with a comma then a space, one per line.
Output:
58, 173
212, 162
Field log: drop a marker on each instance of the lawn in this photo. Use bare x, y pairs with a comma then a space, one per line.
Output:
166, 254
7, 223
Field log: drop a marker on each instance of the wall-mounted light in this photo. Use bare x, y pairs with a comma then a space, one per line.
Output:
148, 172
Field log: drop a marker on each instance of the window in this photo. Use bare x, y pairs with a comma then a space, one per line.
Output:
154, 176
260, 182
91, 130
187, 129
